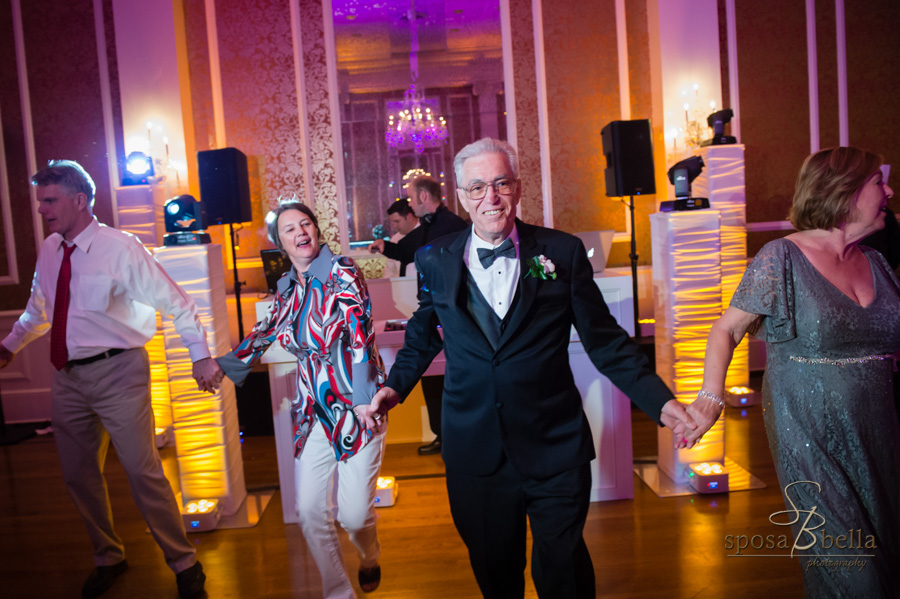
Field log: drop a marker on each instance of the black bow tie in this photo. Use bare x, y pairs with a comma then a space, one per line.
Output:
427, 219
505, 249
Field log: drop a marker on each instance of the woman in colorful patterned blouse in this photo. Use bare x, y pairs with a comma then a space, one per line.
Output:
321, 314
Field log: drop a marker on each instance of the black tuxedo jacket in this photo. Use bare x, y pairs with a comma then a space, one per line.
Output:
519, 399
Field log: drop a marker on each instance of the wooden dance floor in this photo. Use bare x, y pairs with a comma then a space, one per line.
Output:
646, 547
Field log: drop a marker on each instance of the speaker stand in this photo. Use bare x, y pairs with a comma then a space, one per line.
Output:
634, 264
238, 284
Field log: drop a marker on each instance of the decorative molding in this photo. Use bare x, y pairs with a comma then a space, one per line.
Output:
12, 262
297, 42
333, 100
733, 80
522, 76
812, 61
622, 45
841, 43
543, 124
319, 118
27, 124
215, 73
109, 132
509, 76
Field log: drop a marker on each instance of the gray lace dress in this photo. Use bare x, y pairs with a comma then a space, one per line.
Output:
830, 417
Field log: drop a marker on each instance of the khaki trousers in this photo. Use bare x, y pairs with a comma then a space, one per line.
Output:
110, 400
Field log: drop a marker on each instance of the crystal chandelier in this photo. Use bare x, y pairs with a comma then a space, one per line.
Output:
416, 119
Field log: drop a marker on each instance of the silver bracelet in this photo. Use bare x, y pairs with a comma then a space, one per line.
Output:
711, 396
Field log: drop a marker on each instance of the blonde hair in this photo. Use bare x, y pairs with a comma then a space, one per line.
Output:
827, 186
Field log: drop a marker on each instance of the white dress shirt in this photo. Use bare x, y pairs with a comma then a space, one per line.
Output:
497, 283
116, 289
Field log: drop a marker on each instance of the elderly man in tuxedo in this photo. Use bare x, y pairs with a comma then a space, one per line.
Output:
517, 443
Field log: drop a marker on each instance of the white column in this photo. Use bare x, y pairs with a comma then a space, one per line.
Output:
687, 299
207, 439
723, 182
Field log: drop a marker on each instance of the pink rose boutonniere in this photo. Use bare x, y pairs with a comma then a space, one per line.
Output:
540, 267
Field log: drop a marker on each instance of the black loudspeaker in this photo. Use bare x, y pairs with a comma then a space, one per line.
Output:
224, 186
629, 158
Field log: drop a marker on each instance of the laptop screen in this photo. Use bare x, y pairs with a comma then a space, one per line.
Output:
598, 245
275, 264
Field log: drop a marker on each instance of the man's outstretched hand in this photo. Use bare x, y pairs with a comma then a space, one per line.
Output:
374, 415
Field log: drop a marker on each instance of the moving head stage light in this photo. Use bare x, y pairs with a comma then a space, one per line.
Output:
185, 222
681, 175
717, 122
138, 169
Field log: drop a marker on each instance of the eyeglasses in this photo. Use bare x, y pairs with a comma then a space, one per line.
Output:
503, 187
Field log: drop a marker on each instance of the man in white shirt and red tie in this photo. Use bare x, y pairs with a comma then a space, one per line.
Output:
97, 290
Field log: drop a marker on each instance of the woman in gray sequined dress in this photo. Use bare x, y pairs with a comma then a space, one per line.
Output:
829, 312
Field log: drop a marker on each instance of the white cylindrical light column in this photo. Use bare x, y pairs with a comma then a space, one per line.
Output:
687, 299
207, 438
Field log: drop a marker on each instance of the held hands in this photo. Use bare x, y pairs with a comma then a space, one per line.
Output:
208, 374
681, 423
374, 415
377, 247
705, 412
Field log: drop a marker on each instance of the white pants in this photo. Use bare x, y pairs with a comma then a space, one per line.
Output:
322, 482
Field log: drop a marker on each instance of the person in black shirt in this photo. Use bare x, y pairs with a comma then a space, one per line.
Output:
435, 220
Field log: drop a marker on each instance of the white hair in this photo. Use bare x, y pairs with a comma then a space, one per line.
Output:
486, 145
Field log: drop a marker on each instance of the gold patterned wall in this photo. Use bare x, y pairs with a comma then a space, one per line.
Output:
59, 115
582, 66
262, 118
319, 120
531, 207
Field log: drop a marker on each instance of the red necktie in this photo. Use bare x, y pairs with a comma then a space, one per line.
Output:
59, 353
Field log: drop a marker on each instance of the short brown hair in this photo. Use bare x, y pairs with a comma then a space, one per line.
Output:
827, 186
400, 207
272, 220
428, 184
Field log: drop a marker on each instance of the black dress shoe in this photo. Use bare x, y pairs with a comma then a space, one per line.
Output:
431, 449
102, 578
190, 582
369, 578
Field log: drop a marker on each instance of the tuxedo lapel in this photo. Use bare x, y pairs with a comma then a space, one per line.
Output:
456, 279
528, 286
453, 269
